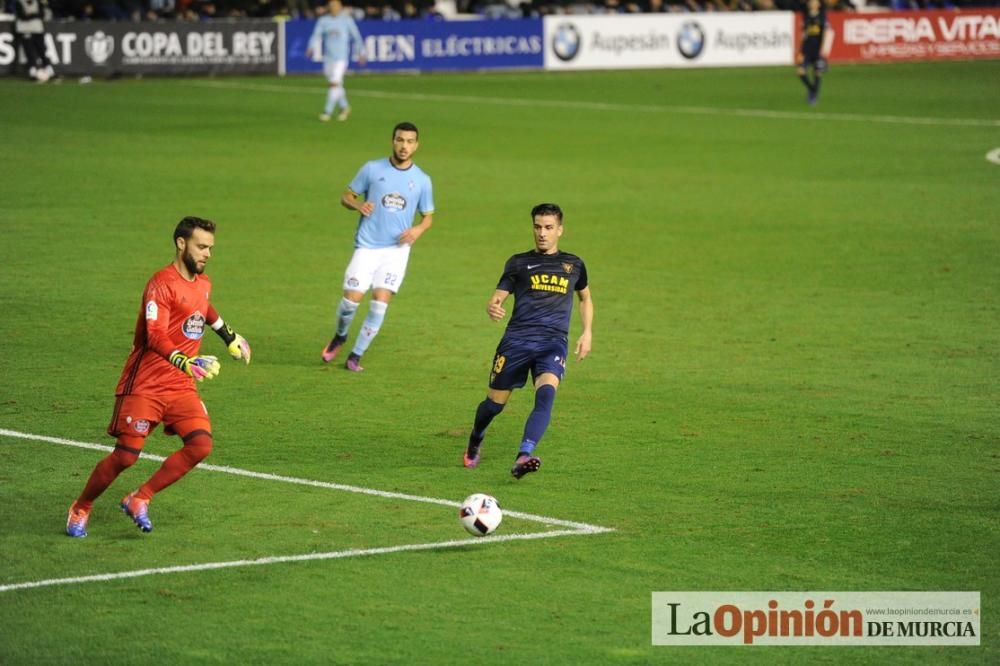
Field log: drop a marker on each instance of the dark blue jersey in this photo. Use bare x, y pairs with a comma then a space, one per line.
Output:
543, 286
813, 28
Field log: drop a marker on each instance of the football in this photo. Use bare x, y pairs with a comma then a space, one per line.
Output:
480, 514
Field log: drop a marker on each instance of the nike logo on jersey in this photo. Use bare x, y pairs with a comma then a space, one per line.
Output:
531, 267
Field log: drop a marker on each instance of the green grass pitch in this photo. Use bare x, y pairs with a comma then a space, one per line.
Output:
794, 384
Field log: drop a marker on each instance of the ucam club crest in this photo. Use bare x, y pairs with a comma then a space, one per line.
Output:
99, 47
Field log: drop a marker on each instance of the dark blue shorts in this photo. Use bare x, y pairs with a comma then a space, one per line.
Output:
815, 60
515, 358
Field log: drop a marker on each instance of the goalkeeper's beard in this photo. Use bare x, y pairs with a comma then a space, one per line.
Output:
192, 265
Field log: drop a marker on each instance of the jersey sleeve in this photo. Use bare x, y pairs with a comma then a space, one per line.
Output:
509, 278
361, 181
356, 36
426, 203
213, 315
314, 39
581, 282
157, 300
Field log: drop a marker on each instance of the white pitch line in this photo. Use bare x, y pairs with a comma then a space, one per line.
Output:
575, 528
546, 520
333, 555
614, 107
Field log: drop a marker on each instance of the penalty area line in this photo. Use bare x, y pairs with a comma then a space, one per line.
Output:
308, 557
361, 490
571, 528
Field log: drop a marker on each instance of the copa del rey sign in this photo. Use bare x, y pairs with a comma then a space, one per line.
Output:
930, 35
104, 48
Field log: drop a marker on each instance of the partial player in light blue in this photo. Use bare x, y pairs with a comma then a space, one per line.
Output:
387, 193
334, 35
397, 195
336, 31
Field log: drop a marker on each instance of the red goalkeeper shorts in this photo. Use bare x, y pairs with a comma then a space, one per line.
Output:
138, 415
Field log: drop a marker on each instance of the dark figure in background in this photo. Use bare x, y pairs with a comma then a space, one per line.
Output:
29, 24
815, 47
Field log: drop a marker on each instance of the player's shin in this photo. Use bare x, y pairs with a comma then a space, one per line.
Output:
370, 327
197, 446
538, 420
333, 95
485, 413
345, 315
107, 469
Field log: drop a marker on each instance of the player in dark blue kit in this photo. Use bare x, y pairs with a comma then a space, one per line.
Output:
815, 48
543, 282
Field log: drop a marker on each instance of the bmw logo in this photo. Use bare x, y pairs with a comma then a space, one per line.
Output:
690, 40
566, 41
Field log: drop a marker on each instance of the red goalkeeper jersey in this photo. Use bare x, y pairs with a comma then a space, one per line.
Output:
174, 314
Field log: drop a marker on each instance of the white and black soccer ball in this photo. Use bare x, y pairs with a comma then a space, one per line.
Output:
480, 514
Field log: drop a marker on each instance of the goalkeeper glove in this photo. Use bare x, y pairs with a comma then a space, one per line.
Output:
240, 349
199, 367
237, 345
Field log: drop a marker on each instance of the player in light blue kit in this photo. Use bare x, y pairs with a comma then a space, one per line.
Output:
338, 32
388, 193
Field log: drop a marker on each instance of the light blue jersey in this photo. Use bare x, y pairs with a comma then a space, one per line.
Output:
398, 195
337, 33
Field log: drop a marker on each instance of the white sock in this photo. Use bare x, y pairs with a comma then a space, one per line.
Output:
333, 95
370, 327
345, 315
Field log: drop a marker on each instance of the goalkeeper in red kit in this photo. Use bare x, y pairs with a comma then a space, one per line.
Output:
158, 382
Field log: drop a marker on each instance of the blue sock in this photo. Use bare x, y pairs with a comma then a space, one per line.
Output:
485, 413
370, 327
538, 419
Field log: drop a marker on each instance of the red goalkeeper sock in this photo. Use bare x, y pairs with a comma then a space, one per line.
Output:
196, 448
107, 470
